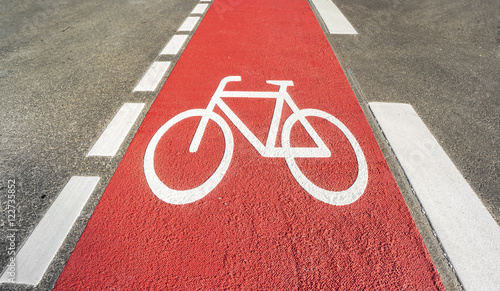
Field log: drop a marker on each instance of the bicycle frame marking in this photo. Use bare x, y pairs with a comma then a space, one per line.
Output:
268, 150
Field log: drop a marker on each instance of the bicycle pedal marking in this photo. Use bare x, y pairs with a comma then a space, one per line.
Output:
289, 153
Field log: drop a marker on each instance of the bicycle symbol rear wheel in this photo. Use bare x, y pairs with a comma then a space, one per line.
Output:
173, 196
339, 198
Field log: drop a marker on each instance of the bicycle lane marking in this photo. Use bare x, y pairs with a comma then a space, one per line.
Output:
258, 228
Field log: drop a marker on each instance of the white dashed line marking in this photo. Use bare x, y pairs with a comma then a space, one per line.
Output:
200, 8
468, 233
38, 251
111, 139
189, 23
153, 76
334, 20
40, 248
174, 45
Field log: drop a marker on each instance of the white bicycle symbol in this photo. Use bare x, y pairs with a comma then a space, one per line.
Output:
173, 196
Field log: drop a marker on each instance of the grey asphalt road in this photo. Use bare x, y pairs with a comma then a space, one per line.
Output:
67, 66
443, 58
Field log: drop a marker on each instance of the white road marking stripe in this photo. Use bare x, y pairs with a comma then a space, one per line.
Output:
111, 139
40, 248
189, 23
334, 20
153, 76
468, 233
200, 8
38, 251
174, 45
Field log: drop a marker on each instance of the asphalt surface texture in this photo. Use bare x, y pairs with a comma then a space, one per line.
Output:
67, 66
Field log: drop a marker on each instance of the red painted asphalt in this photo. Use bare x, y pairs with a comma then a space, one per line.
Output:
258, 229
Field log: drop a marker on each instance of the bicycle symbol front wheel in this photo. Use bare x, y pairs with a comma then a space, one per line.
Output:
339, 198
173, 196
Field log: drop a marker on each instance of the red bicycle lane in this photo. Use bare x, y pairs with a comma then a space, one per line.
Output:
258, 228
